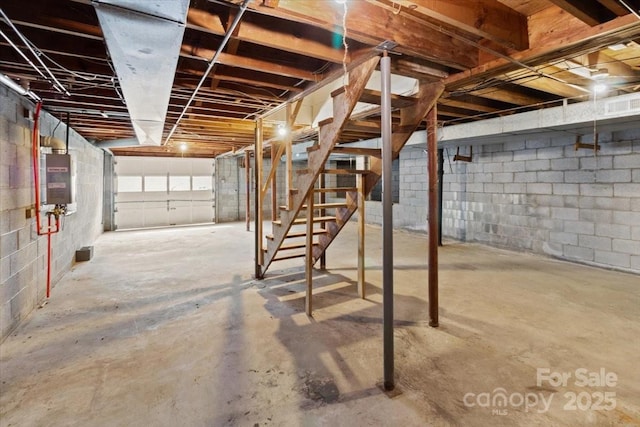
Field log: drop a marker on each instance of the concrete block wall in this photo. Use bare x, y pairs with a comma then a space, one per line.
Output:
22, 252
231, 189
542, 195
538, 195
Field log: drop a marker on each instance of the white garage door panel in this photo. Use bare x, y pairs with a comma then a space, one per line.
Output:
154, 192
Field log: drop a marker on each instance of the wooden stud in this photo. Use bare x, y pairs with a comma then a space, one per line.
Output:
289, 165
322, 197
361, 283
274, 185
308, 266
247, 175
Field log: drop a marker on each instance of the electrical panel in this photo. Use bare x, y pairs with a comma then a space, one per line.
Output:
58, 168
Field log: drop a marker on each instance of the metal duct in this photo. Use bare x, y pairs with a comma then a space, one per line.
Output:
144, 39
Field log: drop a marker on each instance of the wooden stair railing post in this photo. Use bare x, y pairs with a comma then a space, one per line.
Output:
361, 283
274, 185
247, 175
322, 198
289, 167
308, 259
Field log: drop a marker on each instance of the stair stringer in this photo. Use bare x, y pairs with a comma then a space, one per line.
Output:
410, 118
343, 104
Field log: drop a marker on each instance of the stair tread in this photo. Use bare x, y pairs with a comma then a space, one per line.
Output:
334, 189
321, 206
371, 96
295, 234
292, 246
376, 152
346, 171
285, 257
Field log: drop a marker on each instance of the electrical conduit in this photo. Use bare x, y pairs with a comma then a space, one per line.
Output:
35, 154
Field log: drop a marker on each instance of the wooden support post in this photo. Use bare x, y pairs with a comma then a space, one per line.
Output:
432, 161
258, 171
361, 283
274, 185
247, 175
289, 167
308, 266
322, 197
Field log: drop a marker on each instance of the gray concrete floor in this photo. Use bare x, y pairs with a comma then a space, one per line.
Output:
167, 328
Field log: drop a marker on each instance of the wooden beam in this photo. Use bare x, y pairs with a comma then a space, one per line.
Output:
488, 19
380, 24
589, 12
248, 63
269, 36
581, 40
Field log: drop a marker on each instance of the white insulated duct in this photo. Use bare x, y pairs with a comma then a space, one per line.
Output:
144, 39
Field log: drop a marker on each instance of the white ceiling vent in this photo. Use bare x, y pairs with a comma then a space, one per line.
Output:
630, 104
144, 39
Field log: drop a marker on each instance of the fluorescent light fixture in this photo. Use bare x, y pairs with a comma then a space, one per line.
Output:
341, 1
618, 46
599, 87
103, 114
600, 74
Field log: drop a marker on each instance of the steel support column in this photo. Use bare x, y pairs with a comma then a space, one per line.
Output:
387, 223
432, 147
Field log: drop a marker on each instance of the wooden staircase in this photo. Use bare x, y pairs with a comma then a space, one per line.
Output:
292, 226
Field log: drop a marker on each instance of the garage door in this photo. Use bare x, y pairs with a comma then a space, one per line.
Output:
160, 192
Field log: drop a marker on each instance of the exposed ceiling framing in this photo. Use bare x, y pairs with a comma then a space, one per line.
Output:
495, 57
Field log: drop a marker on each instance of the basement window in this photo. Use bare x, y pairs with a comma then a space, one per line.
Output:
376, 193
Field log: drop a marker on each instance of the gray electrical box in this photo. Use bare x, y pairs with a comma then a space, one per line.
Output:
58, 167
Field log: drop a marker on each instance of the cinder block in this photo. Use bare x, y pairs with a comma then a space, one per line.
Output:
599, 162
537, 165
539, 188
550, 176
614, 175
626, 190
635, 263
550, 153
595, 242
579, 177
596, 190
538, 143
613, 259
524, 177
579, 227
629, 161
613, 230
626, 218
596, 215
515, 188
493, 188
514, 145
578, 253
570, 214
566, 189
525, 154
626, 246
565, 164
503, 177
563, 238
